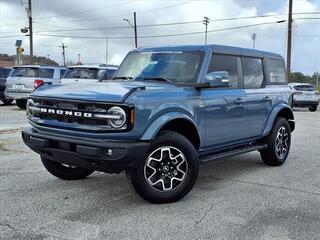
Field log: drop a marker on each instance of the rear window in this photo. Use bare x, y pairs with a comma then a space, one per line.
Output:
82, 73
252, 69
32, 72
304, 88
277, 72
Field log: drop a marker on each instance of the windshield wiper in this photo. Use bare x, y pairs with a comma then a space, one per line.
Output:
162, 79
123, 78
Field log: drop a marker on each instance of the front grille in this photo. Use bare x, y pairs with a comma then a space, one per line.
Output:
74, 112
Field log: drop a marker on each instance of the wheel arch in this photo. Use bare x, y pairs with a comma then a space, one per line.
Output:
178, 123
280, 110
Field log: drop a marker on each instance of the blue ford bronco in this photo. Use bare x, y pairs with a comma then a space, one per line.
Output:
166, 110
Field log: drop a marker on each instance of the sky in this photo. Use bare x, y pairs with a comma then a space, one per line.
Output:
84, 25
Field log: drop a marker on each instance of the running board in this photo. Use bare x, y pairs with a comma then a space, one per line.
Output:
232, 152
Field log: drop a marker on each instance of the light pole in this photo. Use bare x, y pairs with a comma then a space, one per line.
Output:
253, 37
206, 22
134, 27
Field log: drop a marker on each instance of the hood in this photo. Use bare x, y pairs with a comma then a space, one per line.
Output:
112, 91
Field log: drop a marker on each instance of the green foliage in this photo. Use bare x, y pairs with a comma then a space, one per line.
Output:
301, 78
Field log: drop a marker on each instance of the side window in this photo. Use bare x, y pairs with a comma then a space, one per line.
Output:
62, 71
110, 73
226, 63
46, 73
277, 72
252, 69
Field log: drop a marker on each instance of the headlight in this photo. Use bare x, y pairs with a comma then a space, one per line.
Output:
119, 118
30, 104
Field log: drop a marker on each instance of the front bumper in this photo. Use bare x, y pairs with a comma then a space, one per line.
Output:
99, 155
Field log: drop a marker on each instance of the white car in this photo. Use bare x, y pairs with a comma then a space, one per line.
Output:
305, 95
22, 80
88, 73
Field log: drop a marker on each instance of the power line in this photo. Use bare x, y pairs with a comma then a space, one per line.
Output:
128, 14
85, 11
164, 35
176, 23
120, 27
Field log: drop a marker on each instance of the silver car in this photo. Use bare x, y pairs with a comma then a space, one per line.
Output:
22, 80
305, 95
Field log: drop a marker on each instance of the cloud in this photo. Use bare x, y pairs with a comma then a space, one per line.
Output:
74, 14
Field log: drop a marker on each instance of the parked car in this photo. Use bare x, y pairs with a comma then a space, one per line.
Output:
167, 110
22, 80
88, 73
3, 76
305, 96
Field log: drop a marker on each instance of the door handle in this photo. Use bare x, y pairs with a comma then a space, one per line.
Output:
267, 99
239, 100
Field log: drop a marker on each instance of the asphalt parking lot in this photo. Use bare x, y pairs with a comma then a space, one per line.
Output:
234, 198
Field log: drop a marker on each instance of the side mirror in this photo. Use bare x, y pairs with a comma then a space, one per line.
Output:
218, 79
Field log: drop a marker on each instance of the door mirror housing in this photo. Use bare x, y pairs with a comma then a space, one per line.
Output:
218, 79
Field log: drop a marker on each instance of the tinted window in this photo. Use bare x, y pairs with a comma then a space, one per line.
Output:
277, 72
110, 73
304, 88
32, 72
46, 73
24, 72
62, 71
228, 64
4, 72
82, 73
252, 72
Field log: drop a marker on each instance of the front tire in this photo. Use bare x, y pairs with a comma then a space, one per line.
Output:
7, 101
21, 103
313, 108
168, 171
278, 141
65, 172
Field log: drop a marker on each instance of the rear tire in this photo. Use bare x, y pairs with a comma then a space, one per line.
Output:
168, 171
278, 141
21, 103
7, 101
63, 172
313, 108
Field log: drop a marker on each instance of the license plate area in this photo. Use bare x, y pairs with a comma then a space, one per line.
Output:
18, 86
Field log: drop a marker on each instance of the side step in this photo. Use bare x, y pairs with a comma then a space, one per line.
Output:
232, 152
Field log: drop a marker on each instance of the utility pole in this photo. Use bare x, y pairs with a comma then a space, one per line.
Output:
206, 22
135, 29
289, 38
29, 11
253, 37
63, 47
107, 49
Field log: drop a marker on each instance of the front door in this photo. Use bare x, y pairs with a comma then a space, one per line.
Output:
225, 108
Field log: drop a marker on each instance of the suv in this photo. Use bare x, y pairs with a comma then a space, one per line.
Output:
3, 76
166, 110
22, 80
88, 73
305, 95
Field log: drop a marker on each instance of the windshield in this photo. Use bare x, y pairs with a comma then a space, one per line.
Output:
83, 73
177, 66
304, 88
32, 72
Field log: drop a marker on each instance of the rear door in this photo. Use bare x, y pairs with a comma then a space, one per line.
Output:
225, 108
258, 98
